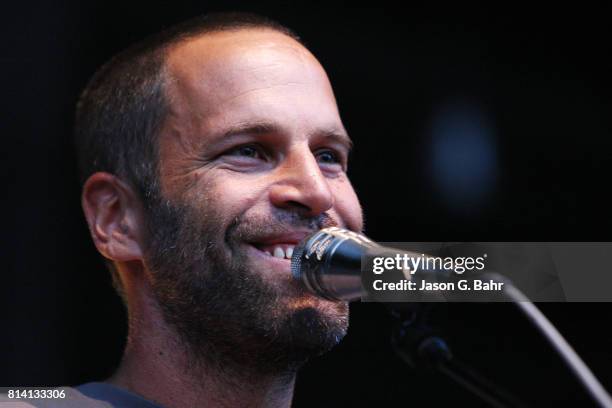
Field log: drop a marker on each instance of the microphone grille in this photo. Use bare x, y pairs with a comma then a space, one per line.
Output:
296, 259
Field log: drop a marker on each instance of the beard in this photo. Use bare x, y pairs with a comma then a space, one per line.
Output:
225, 310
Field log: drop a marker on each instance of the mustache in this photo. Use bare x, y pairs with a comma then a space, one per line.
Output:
278, 222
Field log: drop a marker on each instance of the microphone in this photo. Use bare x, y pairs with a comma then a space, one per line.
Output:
328, 262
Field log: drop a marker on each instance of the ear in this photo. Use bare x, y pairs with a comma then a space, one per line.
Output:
114, 215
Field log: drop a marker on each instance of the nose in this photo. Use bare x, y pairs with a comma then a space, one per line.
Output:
301, 185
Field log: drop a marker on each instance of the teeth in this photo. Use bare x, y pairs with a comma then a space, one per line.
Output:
278, 252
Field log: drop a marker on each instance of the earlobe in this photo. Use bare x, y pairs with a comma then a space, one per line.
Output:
114, 217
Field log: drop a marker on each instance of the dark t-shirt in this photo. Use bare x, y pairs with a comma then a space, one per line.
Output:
90, 395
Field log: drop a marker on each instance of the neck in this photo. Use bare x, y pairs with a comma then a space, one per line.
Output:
159, 368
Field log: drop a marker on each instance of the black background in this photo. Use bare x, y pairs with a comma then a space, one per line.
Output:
541, 76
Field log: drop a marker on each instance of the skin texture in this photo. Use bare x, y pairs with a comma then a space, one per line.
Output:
253, 151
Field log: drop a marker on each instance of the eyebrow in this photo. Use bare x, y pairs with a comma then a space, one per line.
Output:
262, 128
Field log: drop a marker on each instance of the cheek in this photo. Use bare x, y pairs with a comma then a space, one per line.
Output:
347, 204
227, 196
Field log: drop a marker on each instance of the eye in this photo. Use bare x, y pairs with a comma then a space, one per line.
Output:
332, 160
328, 157
247, 151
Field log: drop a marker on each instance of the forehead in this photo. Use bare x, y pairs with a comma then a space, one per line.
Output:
223, 69
218, 55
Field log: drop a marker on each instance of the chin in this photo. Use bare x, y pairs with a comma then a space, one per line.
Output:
316, 330
319, 315
323, 305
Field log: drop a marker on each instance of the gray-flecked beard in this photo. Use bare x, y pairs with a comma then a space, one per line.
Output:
225, 313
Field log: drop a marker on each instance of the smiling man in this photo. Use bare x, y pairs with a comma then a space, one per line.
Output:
208, 152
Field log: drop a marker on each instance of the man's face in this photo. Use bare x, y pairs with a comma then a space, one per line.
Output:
253, 157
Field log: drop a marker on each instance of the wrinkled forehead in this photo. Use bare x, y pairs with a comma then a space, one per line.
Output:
230, 63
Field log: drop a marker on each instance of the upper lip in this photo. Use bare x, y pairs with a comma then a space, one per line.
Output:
290, 238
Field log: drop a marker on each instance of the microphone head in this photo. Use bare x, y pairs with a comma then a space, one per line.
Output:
296, 258
328, 263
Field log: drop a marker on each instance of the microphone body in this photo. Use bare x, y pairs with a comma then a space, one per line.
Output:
329, 261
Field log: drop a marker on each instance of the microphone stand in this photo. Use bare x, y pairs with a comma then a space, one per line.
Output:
418, 345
